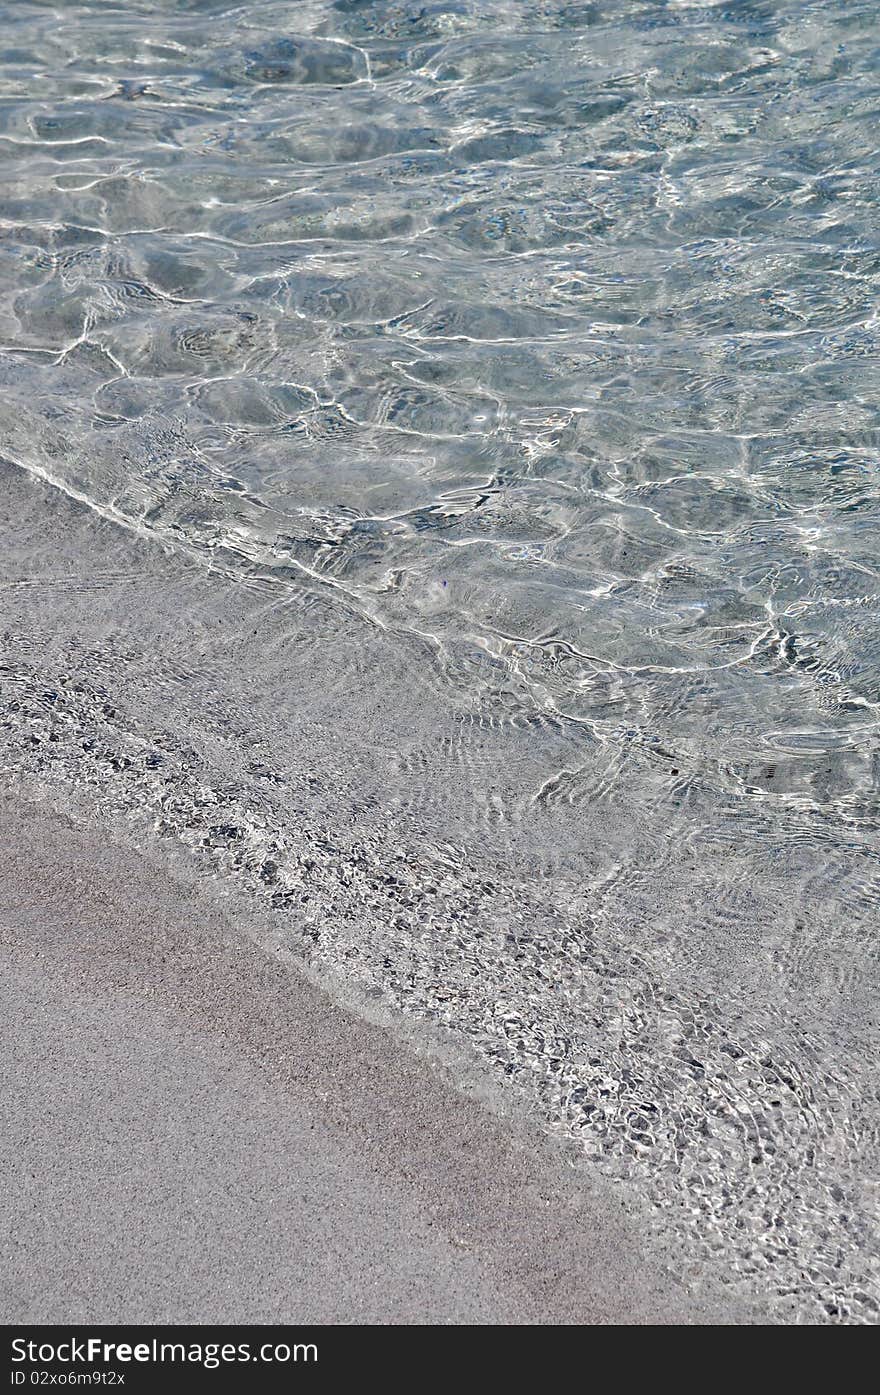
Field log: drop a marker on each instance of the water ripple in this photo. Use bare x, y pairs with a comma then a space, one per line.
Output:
542, 339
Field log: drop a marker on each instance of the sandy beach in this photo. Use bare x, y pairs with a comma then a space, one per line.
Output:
196, 1133
266, 947
439, 600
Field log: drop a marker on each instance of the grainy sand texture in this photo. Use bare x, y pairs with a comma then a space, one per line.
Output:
305, 776
194, 1132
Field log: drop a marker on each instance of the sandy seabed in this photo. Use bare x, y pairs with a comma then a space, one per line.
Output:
196, 1133
290, 1007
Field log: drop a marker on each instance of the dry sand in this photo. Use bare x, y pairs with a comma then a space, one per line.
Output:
195, 1132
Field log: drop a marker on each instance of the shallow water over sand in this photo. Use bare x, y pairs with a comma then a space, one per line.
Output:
504, 377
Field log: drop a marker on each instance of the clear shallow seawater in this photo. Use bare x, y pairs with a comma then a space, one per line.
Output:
542, 338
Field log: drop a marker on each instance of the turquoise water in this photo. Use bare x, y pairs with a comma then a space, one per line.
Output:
541, 338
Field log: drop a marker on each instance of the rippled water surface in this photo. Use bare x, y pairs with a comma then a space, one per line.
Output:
540, 339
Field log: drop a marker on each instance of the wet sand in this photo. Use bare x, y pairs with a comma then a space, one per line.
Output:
196, 1132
